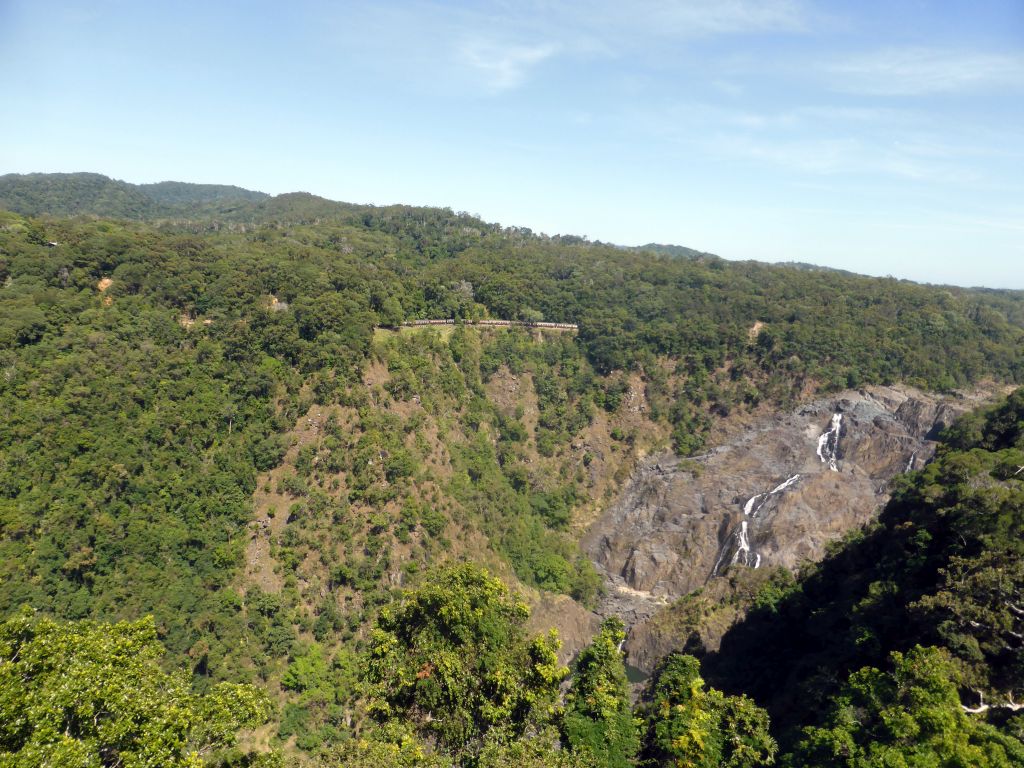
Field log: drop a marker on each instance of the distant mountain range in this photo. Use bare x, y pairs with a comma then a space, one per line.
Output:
72, 194
93, 194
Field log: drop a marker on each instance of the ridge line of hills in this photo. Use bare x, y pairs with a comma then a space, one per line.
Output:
94, 194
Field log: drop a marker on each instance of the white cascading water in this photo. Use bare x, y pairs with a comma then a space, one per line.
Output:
743, 546
739, 538
739, 544
910, 464
738, 541
748, 508
754, 503
783, 486
828, 443
722, 553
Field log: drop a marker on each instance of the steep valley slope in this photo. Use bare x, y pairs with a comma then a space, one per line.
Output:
775, 495
656, 526
412, 472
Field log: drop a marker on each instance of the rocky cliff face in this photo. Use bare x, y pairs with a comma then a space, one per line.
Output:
776, 495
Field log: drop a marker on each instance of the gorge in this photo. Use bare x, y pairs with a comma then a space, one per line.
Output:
774, 495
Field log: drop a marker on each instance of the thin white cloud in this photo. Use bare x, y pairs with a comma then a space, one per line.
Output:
503, 66
834, 140
603, 28
820, 156
857, 156
708, 17
1015, 224
922, 71
728, 88
612, 26
694, 117
501, 42
831, 113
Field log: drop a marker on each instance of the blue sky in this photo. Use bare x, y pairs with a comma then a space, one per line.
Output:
881, 137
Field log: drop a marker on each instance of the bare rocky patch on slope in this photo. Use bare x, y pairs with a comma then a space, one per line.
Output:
774, 496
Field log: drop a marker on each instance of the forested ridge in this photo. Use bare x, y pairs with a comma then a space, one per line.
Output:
156, 370
68, 194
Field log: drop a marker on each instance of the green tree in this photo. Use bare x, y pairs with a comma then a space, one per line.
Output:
391, 745
690, 727
910, 716
599, 719
977, 615
93, 694
538, 750
452, 658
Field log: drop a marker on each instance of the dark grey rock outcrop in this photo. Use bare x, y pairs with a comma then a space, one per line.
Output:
776, 495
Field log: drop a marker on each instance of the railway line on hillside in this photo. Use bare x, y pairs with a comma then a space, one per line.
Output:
488, 323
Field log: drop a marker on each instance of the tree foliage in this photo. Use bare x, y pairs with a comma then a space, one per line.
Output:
598, 716
151, 364
908, 716
691, 726
93, 694
453, 660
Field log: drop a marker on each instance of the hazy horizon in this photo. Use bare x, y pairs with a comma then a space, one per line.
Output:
882, 139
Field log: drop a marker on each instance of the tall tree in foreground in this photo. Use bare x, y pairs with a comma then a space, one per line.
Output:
453, 660
689, 726
598, 717
92, 694
910, 716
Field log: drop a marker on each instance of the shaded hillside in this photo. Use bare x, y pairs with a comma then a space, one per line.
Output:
941, 567
175, 356
679, 251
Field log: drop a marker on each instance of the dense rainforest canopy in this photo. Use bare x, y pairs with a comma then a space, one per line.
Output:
205, 423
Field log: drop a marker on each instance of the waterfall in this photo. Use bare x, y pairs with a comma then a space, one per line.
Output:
721, 555
910, 464
755, 503
738, 541
828, 443
742, 547
783, 486
748, 508
739, 544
